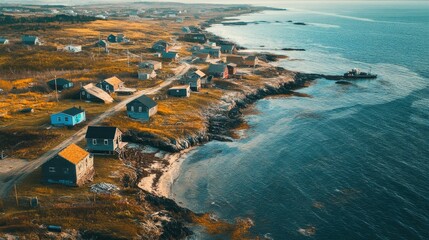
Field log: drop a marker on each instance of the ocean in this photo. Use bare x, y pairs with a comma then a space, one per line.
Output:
348, 162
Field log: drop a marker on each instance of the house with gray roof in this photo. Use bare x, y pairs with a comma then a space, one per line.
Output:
104, 140
218, 71
228, 48
170, 56
142, 108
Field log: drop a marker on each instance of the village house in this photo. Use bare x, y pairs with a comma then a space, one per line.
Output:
193, 79
104, 140
30, 40
117, 38
155, 65
146, 74
73, 48
170, 56
201, 57
195, 37
4, 41
238, 60
251, 61
214, 52
218, 70
60, 84
90, 92
180, 91
111, 85
161, 46
142, 108
69, 117
72, 166
102, 43
228, 48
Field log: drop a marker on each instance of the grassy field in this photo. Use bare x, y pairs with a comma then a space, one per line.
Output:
116, 215
176, 117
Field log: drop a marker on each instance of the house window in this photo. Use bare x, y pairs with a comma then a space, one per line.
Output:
66, 170
51, 169
94, 141
140, 109
132, 108
83, 93
66, 119
106, 142
59, 119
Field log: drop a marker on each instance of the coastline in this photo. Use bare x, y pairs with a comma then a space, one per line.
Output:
234, 104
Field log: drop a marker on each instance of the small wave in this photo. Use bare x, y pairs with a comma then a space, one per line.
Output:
336, 15
324, 25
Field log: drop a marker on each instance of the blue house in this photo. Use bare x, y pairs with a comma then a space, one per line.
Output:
69, 117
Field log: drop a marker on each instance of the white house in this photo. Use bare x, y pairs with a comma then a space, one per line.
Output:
73, 48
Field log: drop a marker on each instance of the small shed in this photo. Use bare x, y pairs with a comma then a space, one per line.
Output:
102, 43
73, 48
232, 68
60, 84
180, 91
142, 108
69, 117
72, 166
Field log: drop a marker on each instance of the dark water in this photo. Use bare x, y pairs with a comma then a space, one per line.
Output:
352, 161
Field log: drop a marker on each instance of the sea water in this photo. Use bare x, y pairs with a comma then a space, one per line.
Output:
350, 161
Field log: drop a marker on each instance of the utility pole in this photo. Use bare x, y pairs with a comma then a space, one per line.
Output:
16, 196
56, 88
128, 57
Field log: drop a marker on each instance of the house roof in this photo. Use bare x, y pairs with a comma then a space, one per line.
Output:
199, 73
60, 81
102, 132
114, 81
29, 38
3, 40
227, 47
98, 92
216, 68
73, 154
146, 70
147, 101
162, 43
73, 111
179, 87
169, 55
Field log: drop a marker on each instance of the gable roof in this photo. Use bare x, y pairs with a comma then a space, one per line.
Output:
29, 38
114, 81
169, 55
227, 47
60, 81
199, 73
98, 92
179, 87
146, 70
216, 68
73, 111
102, 132
73, 154
3, 40
147, 101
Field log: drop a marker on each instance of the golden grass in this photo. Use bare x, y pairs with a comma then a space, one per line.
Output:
68, 206
176, 117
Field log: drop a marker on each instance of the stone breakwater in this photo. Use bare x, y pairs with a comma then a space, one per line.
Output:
223, 117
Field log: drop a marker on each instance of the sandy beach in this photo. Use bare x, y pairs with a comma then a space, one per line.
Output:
169, 174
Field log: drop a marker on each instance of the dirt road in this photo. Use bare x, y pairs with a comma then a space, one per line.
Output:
13, 177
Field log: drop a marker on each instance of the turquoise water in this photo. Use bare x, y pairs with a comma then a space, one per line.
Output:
351, 161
